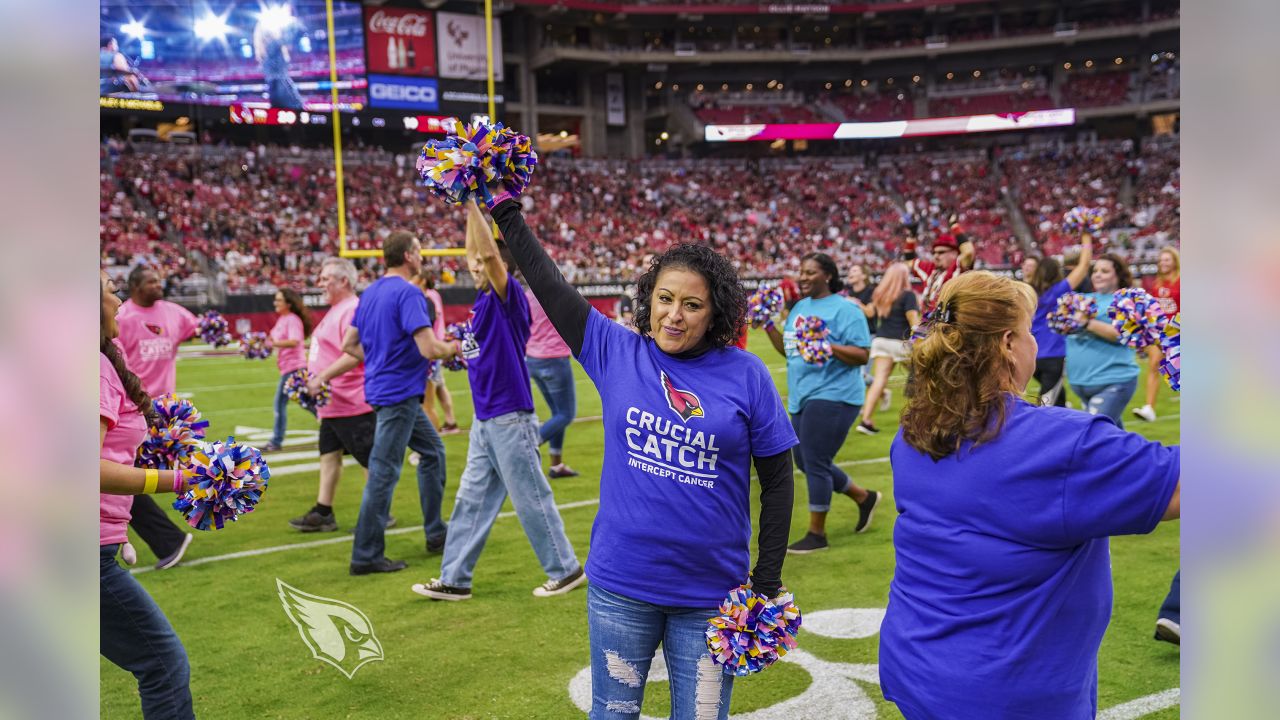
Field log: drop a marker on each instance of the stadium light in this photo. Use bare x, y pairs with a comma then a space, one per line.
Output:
828, 86
675, 87
915, 78
664, 135
1088, 63
700, 86
951, 76
564, 133
212, 27
848, 83
275, 18
134, 28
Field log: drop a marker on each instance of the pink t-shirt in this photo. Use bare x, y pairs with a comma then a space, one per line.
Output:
126, 429
150, 337
326, 346
289, 327
437, 307
544, 341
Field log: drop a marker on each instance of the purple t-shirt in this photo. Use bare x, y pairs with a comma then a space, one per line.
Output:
494, 351
1002, 586
1052, 344
391, 310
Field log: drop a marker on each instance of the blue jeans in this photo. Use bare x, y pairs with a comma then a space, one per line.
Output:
502, 459
554, 377
400, 426
281, 407
1171, 608
822, 426
625, 634
135, 635
1108, 400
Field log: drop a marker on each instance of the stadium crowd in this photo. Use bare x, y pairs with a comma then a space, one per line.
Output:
253, 219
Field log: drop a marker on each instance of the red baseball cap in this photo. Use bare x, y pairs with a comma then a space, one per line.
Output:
948, 241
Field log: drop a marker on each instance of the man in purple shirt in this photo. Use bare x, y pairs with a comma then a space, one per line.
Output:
503, 456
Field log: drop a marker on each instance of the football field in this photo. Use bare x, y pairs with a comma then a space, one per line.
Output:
506, 654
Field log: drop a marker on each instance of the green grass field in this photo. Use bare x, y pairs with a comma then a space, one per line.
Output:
504, 654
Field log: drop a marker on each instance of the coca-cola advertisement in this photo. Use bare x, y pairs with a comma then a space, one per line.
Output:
400, 41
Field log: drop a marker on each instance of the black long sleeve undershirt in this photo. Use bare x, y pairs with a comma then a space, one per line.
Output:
568, 312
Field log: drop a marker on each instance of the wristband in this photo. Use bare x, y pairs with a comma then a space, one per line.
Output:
179, 482
153, 478
494, 199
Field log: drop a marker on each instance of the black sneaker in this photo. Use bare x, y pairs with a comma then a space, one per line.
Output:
437, 590
382, 566
811, 542
867, 428
435, 546
561, 471
866, 509
174, 557
315, 522
551, 588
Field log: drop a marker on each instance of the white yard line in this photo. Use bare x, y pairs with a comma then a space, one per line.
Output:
1143, 706
345, 538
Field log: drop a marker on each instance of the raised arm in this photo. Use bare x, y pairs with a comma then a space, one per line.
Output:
1081, 270
482, 249
967, 253
567, 310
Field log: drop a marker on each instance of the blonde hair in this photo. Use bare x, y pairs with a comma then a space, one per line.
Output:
896, 279
1177, 262
961, 372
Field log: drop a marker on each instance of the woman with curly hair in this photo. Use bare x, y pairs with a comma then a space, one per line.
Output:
825, 400
686, 414
134, 634
1002, 581
291, 330
1168, 290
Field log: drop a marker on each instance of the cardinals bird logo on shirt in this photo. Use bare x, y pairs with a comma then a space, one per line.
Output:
154, 328
336, 632
685, 403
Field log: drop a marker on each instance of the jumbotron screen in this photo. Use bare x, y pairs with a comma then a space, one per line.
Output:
244, 52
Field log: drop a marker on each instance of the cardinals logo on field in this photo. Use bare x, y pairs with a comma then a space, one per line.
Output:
336, 632
154, 328
685, 403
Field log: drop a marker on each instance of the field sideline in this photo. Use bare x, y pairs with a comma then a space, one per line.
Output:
505, 654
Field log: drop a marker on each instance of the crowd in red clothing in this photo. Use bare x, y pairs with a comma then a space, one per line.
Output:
251, 219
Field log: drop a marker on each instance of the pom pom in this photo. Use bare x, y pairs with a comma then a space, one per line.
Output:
1171, 345
460, 332
811, 339
1073, 313
1138, 317
752, 632
295, 388
255, 346
462, 165
177, 435
763, 304
214, 329
1081, 219
224, 481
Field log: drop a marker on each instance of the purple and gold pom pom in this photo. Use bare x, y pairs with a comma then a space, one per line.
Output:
812, 339
1081, 219
752, 632
461, 332
1171, 346
214, 329
1073, 313
224, 480
463, 164
763, 304
1138, 317
255, 346
295, 388
178, 433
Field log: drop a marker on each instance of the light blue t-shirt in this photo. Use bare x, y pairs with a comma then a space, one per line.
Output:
1093, 361
833, 380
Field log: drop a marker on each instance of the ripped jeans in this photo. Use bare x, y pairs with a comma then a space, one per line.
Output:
625, 634
1109, 400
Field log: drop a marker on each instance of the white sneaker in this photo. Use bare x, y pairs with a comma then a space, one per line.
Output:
1168, 631
1146, 412
886, 399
